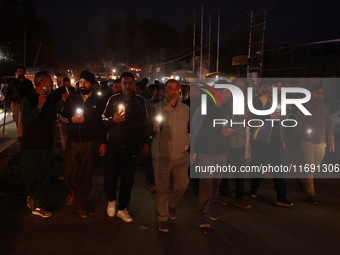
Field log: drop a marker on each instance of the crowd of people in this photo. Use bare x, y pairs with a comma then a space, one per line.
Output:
132, 120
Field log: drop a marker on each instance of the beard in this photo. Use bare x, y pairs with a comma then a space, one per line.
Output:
85, 91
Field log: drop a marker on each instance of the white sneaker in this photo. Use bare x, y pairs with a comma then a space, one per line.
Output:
124, 215
41, 212
111, 209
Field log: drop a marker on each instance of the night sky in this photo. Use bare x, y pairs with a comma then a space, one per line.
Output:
81, 26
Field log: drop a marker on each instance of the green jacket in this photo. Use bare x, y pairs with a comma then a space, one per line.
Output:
172, 142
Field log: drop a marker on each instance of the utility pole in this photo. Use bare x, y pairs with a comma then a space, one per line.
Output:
256, 45
36, 56
194, 43
249, 47
201, 57
218, 37
263, 32
209, 53
25, 31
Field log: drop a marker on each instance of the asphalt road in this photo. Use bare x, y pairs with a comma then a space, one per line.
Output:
264, 229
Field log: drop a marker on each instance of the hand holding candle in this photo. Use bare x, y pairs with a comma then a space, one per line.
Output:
80, 112
121, 109
309, 133
157, 126
159, 119
119, 115
78, 117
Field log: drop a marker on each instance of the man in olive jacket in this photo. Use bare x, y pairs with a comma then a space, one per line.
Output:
170, 154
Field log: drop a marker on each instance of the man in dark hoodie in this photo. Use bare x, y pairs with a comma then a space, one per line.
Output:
85, 133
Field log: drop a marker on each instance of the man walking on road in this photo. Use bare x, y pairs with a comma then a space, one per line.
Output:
85, 133
39, 113
315, 130
125, 116
170, 155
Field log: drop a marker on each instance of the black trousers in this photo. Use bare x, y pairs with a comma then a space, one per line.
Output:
235, 158
272, 153
36, 166
78, 165
119, 162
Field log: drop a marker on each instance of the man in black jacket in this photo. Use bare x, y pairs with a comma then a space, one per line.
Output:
212, 143
85, 131
17, 90
39, 112
126, 117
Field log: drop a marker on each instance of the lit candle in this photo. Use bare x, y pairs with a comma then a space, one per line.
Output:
121, 110
99, 93
80, 112
159, 119
309, 131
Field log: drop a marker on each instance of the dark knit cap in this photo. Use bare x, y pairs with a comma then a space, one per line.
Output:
87, 76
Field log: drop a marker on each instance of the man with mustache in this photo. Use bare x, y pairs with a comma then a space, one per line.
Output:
170, 154
125, 116
85, 132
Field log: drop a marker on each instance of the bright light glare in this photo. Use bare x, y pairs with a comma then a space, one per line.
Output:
80, 111
159, 118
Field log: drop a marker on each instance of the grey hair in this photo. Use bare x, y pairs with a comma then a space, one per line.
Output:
39, 77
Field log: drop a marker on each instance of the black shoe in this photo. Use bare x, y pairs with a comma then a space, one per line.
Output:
284, 202
253, 194
204, 223
224, 200
172, 213
312, 200
83, 213
242, 204
163, 226
214, 216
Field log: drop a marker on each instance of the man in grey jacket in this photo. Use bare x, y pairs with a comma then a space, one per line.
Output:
170, 155
315, 130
